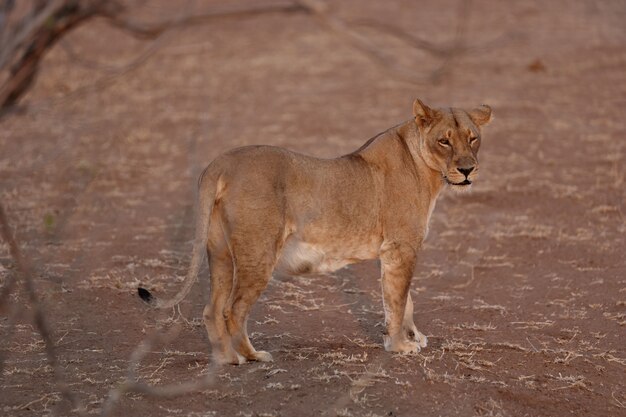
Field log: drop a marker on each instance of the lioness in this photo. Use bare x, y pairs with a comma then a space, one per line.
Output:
263, 208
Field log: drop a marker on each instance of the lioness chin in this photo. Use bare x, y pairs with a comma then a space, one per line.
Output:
262, 208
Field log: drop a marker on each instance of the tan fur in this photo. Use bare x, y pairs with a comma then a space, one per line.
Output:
263, 208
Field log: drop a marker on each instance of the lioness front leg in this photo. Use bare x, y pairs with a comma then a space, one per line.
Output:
398, 261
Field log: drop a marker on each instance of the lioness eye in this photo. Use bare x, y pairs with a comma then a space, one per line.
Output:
444, 142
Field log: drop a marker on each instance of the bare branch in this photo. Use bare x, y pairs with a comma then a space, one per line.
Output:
67, 14
25, 272
14, 250
147, 30
132, 384
28, 29
436, 50
13, 316
5, 8
37, 33
455, 50
398, 33
36, 36
361, 42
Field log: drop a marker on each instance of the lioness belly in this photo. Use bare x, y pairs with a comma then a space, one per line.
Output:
299, 257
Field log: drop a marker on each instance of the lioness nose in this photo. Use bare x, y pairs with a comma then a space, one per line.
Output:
465, 171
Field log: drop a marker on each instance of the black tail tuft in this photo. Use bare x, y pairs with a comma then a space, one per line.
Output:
145, 295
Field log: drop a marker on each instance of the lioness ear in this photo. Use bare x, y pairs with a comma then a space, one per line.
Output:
424, 115
481, 115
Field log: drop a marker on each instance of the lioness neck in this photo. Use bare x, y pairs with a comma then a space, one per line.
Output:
397, 150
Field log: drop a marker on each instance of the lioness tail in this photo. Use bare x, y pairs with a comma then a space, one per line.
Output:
207, 187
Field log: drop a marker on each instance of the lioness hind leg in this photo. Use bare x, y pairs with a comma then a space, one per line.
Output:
250, 283
221, 269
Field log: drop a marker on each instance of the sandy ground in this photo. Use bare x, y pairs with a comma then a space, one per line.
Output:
521, 286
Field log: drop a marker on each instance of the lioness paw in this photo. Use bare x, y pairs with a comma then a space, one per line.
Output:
262, 356
233, 359
413, 334
421, 339
418, 337
400, 345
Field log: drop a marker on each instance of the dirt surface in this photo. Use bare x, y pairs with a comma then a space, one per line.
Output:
521, 286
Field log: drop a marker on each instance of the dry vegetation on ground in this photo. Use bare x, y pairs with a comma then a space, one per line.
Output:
521, 287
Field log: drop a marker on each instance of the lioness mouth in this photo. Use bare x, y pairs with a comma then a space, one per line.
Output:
466, 182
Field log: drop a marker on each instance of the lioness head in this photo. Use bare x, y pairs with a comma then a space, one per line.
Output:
449, 141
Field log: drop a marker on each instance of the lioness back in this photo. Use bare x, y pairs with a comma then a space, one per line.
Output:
323, 229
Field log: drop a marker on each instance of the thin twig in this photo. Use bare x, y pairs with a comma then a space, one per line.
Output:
152, 30
132, 384
114, 13
462, 19
13, 317
158, 33
376, 55
20, 38
400, 34
25, 272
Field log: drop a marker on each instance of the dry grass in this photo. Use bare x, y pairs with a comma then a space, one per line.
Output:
519, 286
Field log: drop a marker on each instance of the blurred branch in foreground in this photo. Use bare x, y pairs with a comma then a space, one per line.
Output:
25, 40
26, 36
132, 384
24, 273
29, 29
